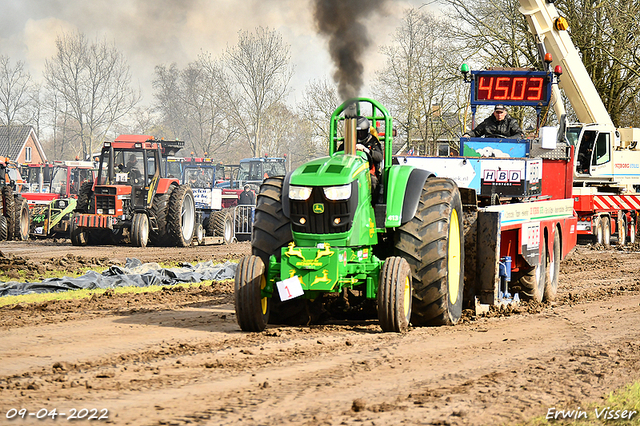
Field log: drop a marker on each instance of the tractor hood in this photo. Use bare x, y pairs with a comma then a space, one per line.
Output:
339, 169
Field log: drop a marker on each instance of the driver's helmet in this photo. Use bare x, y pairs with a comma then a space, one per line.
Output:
362, 128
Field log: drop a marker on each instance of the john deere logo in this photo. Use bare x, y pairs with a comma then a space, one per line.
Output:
318, 208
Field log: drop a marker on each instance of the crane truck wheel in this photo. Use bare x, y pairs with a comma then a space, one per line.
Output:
4, 230
622, 231
181, 217
21, 220
159, 209
271, 232
632, 232
432, 242
223, 225
606, 230
532, 283
140, 230
9, 209
394, 295
78, 236
252, 310
551, 283
598, 238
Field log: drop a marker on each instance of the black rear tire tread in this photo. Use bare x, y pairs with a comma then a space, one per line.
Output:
174, 217
4, 229
159, 208
423, 242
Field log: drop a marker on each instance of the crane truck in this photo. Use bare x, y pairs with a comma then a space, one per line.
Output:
606, 183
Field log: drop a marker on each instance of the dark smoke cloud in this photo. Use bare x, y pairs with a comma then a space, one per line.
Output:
344, 23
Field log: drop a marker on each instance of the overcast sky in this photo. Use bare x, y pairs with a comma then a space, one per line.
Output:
153, 32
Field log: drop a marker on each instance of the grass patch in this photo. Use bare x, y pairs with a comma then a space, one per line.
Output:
84, 293
625, 398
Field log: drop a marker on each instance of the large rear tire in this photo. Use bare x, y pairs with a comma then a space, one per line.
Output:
85, 196
394, 295
432, 242
551, 284
271, 232
159, 210
223, 225
252, 310
181, 218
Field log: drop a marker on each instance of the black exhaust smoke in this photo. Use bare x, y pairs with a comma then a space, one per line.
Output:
344, 24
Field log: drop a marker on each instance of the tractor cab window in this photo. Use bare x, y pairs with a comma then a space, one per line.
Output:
129, 166
174, 169
275, 168
199, 177
602, 154
59, 181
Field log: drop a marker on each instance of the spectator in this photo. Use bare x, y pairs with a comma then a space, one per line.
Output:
497, 125
247, 197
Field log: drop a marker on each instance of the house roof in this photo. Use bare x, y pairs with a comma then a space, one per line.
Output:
12, 139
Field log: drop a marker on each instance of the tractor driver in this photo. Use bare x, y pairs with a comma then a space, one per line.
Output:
370, 145
132, 168
497, 125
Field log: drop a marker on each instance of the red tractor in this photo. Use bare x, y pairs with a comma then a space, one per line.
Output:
132, 200
14, 211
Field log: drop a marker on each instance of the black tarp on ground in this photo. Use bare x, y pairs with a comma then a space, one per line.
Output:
134, 273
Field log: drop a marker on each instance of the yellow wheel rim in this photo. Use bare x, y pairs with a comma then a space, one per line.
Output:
263, 301
453, 258
407, 296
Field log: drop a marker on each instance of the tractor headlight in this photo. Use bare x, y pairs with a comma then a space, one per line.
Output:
99, 211
335, 193
299, 192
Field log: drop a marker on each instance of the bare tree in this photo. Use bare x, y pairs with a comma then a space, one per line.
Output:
15, 86
260, 71
319, 101
166, 86
95, 82
496, 34
419, 83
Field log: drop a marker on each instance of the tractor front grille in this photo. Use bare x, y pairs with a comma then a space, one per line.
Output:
106, 202
318, 215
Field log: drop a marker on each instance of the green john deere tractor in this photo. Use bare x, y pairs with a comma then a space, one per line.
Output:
321, 237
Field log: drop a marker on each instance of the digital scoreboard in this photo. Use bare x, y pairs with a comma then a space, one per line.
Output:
531, 88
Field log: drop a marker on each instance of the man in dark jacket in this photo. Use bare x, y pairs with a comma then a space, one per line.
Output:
498, 125
246, 197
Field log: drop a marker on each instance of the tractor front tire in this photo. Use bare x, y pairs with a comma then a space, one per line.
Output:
9, 210
223, 225
78, 236
394, 295
22, 220
4, 229
252, 309
140, 230
432, 242
181, 217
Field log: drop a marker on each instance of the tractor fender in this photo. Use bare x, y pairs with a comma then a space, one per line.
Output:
404, 188
286, 205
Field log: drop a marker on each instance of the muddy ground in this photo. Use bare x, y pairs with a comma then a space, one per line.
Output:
177, 356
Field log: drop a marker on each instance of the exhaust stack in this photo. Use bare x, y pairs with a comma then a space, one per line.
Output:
350, 135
